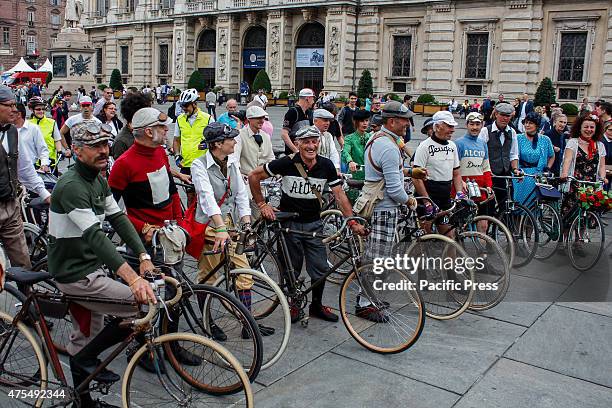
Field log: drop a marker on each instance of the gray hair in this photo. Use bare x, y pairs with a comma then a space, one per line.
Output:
138, 133
77, 143
557, 116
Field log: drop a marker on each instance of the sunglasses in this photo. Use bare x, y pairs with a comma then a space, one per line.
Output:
9, 105
161, 119
184, 105
39, 109
96, 129
86, 104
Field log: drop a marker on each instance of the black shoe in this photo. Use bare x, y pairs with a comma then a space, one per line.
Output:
264, 330
372, 314
146, 362
83, 370
185, 357
216, 333
322, 312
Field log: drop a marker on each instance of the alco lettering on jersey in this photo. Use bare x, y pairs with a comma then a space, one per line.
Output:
297, 187
441, 149
473, 153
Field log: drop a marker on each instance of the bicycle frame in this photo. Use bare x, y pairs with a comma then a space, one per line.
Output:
47, 343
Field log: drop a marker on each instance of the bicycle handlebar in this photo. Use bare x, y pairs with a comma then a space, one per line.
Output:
154, 308
594, 183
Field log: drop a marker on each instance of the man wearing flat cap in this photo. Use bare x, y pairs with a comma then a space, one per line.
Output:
305, 175
15, 167
327, 147
253, 145
502, 145
78, 248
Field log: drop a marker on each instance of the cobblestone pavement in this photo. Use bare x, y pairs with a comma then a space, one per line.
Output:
546, 345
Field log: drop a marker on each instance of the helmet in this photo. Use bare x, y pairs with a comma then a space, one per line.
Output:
533, 117
188, 96
36, 101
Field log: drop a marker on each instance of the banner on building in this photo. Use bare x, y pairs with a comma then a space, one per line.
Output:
206, 59
309, 57
254, 58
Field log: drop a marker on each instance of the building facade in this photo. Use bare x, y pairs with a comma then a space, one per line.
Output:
28, 28
456, 48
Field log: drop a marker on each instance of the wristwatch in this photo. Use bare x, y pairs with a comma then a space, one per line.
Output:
144, 257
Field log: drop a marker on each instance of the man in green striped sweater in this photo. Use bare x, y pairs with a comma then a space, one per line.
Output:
78, 248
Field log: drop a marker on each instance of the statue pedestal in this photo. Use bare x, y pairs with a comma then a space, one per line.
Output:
73, 59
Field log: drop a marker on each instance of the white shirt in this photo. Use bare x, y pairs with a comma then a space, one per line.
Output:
521, 127
76, 119
262, 98
327, 148
248, 153
25, 169
514, 150
438, 159
204, 190
33, 142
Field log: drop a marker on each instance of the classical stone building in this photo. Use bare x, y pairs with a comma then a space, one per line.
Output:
447, 48
27, 28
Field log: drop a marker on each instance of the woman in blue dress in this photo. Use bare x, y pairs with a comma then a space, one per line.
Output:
536, 155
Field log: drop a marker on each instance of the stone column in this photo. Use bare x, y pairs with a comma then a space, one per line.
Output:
183, 55
606, 83
520, 43
276, 30
142, 55
339, 47
368, 53
438, 47
224, 49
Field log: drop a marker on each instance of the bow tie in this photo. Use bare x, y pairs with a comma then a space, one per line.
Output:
5, 128
258, 139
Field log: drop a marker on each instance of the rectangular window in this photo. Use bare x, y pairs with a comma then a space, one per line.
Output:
22, 32
163, 59
401, 55
22, 42
399, 87
30, 18
125, 59
476, 55
55, 2
6, 36
131, 5
568, 94
59, 66
55, 19
31, 47
473, 90
98, 61
102, 7
571, 56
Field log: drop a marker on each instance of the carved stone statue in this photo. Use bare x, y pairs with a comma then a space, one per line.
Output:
72, 15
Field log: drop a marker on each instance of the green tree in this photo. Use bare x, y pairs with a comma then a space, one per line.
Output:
115, 80
262, 81
49, 78
545, 94
196, 81
426, 98
365, 87
102, 87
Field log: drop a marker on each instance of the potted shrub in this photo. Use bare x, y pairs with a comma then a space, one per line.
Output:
283, 99
116, 83
571, 111
197, 82
174, 94
341, 101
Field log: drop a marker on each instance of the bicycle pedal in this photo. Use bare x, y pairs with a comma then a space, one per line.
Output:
304, 322
102, 388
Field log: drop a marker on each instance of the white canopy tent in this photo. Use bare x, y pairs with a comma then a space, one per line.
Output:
46, 67
21, 66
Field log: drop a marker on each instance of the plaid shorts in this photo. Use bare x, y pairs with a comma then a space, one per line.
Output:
381, 239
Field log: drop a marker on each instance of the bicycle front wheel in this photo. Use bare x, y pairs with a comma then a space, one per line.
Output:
383, 312
219, 379
263, 291
337, 250
445, 282
500, 233
585, 240
491, 269
550, 231
22, 365
523, 226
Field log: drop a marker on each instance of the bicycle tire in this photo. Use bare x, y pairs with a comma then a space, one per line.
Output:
38, 378
37, 243
550, 231
523, 252
495, 228
362, 330
501, 279
264, 260
449, 306
217, 352
251, 358
572, 248
269, 286
333, 220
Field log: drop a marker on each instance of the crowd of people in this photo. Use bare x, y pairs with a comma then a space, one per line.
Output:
226, 158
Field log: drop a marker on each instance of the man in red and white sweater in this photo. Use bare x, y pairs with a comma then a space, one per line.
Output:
142, 177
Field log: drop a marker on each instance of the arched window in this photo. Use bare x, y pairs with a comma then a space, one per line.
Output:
207, 41
255, 37
311, 35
